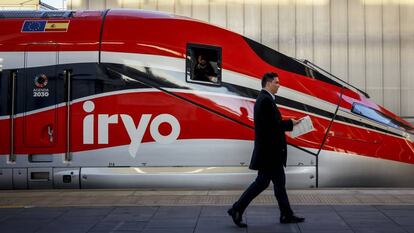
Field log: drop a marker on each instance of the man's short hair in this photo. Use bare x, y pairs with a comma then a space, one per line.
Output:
268, 77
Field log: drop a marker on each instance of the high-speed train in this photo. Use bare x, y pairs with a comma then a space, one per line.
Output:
110, 99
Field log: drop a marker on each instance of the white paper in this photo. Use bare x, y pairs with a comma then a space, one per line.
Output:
305, 126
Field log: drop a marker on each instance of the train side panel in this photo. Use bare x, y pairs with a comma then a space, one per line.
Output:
34, 63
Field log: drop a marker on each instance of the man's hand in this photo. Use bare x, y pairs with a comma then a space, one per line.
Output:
212, 79
295, 122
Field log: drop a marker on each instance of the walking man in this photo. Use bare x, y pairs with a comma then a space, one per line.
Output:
269, 154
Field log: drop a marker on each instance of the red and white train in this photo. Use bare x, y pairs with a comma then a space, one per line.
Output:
109, 99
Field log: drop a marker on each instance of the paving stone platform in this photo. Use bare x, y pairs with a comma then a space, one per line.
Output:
206, 219
60, 198
167, 211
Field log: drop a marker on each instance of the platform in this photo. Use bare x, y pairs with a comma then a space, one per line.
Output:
197, 211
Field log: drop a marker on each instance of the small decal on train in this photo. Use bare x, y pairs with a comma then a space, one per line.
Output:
40, 82
135, 132
40, 92
45, 26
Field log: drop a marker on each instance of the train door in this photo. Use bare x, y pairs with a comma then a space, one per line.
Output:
39, 96
5, 93
36, 133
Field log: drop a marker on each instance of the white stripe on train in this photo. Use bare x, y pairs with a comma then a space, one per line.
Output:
140, 61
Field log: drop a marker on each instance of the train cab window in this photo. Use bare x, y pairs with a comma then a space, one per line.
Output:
4, 90
203, 64
378, 116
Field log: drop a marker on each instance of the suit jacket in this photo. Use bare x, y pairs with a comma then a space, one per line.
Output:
270, 147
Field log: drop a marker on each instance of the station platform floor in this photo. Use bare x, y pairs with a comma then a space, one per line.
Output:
204, 211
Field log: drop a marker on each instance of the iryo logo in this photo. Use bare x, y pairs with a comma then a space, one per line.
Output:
135, 133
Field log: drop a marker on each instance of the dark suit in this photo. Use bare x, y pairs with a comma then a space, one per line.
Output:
269, 154
202, 73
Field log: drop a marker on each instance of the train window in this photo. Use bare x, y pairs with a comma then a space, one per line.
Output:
203, 64
4, 90
91, 79
378, 116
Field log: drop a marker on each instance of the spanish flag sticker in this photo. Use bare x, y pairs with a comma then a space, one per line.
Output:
57, 26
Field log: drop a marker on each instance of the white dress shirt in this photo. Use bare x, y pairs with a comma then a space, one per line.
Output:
273, 96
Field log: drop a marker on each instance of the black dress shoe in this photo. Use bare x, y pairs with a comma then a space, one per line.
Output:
291, 219
237, 217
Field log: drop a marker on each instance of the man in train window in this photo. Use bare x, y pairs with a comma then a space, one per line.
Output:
269, 154
203, 70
